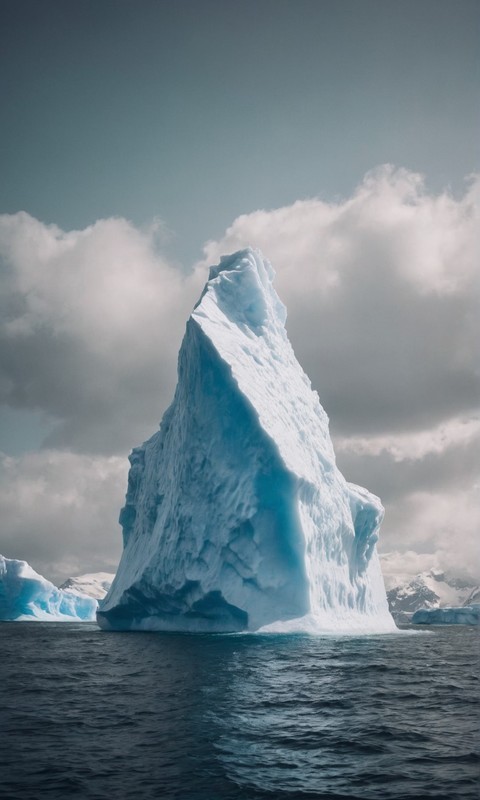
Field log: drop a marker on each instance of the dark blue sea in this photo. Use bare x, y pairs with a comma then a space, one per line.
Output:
93, 715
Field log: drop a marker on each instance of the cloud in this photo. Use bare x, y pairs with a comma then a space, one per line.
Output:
441, 527
427, 484
383, 315
440, 459
60, 511
380, 289
383, 301
414, 446
382, 298
91, 325
399, 567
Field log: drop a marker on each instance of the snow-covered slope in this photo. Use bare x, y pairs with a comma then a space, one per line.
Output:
463, 615
473, 597
25, 595
95, 584
431, 589
236, 516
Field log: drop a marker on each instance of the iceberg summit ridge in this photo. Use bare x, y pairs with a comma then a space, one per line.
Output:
236, 516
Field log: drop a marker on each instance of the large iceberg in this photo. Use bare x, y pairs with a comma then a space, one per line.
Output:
236, 515
26, 596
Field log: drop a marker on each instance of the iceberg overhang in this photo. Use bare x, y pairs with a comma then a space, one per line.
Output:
236, 515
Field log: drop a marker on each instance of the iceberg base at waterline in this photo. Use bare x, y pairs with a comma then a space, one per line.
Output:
25, 596
236, 516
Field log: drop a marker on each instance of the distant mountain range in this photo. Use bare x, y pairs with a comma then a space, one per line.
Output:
95, 584
431, 589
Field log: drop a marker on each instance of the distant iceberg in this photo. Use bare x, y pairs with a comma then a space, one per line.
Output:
27, 596
461, 615
236, 515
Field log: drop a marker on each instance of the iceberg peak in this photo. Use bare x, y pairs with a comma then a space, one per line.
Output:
241, 285
236, 515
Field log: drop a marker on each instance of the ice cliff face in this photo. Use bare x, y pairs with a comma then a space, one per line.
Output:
236, 516
27, 596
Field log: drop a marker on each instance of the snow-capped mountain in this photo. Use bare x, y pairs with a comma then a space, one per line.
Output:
94, 585
431, 589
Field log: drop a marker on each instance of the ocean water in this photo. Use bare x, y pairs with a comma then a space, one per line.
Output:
92, 715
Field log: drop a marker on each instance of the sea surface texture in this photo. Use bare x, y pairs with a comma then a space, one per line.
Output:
90, 715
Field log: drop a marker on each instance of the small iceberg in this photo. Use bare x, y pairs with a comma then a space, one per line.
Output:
462, 615
26, 596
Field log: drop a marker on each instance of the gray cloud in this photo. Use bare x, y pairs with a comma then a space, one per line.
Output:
450, 467
60, 511
91, 324
431, 501
441, 525
382, 299
383, 304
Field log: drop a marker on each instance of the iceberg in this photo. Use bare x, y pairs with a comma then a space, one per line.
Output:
456, 615
236, 515
27, 596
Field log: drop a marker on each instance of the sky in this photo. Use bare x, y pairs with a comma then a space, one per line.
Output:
142, 140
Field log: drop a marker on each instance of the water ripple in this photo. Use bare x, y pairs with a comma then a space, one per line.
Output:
93, 716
